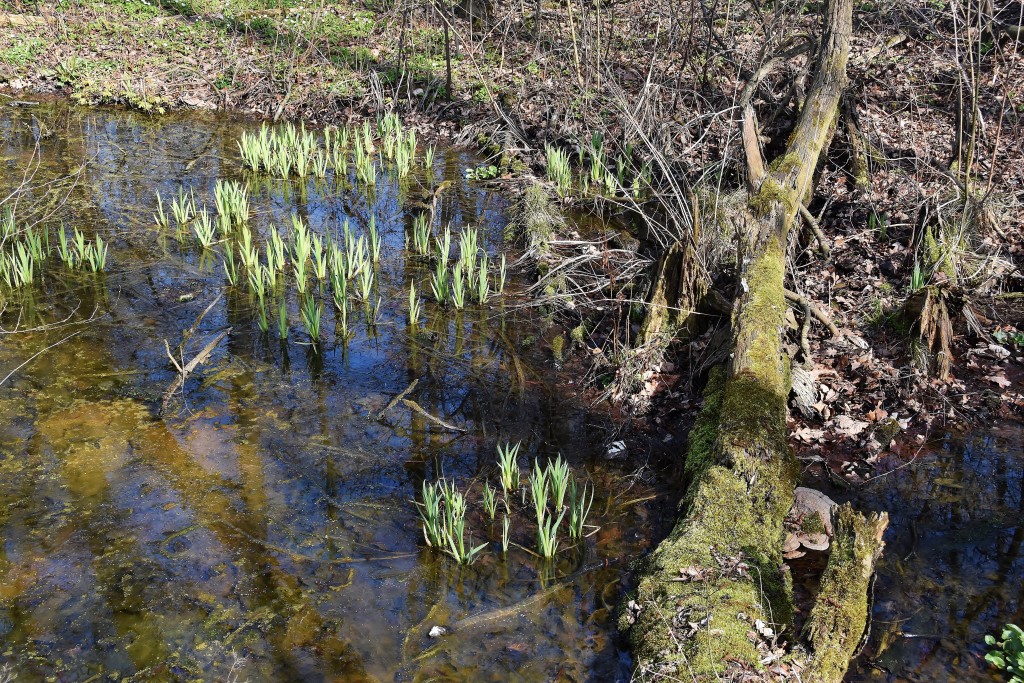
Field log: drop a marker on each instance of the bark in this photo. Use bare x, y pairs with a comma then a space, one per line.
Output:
703, 591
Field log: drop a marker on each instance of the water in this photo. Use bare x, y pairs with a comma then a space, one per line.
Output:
953, 569
262, 527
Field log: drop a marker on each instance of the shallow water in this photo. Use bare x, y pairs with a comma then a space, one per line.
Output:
262, 528
953, 568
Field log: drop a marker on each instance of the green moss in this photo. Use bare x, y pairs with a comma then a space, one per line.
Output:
743, 478
812, 524
558, 348
770, 194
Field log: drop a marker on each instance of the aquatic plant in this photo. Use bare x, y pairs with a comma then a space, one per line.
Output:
502, 272
509, 466
482, 283
558, 169
205, 231
439, 283
261, 316
282, 319
504, 533
230, 266
64, 250
547, 534
443, 513
96, 255
160, 217
1008, 653
312, 311
458, 288
183, 208
490, 501
275, 249
319, 257
414, 306
430, 514
579, 508
232, 201
428, 158
375, 241
364, 281
421, 235
558, 479
539, 490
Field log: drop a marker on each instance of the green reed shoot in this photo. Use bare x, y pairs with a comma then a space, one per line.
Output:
205, 231
320, 165
428, 158
375, 242
490, 501
558, 480
160, 216
415, 307
539, 491
579, 508
282, 319
230, 265
183, 208
502, 272
558, 169
364, 282
482, 287
508, 466
421, 235
458, 288
312, 311
504, 533
439, 283
258, 277
64, 249
96, 256
547, 535
431, 515
276, 259
319, 257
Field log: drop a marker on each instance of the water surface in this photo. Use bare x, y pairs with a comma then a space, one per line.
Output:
262, 527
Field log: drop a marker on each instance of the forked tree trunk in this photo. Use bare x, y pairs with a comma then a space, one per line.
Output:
709, 594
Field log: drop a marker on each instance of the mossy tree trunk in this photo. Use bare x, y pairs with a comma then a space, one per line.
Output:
714, 594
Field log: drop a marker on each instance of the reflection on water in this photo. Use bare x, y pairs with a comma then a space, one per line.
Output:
267, 516
953, 568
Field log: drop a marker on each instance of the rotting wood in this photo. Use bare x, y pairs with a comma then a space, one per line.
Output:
742, 472
818, 314
433, 418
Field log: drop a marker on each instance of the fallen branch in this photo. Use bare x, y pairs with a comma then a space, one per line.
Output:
433, 418
393, 402
184, 371
815, 228
818, 314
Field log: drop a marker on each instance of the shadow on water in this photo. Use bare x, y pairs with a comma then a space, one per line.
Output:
262, 528
953, 568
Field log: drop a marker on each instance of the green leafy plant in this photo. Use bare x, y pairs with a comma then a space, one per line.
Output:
488, 172
1008, 653
509, 467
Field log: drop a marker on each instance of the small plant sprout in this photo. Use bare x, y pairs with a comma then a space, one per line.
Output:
502, 271
414, 306
454, 529
490, 501
558, 479
261, 316
230, 265
205, 231
547, 535
539, 491
504, 533
509, 467
431, 515
312, 310
458, 288
64, 249
579, 508
428, 158
558, 169
917, 278
439, 283
160, 217
374, 239
282, 319
421, 235
482, 286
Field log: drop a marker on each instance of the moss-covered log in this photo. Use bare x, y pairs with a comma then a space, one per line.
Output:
716, 590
